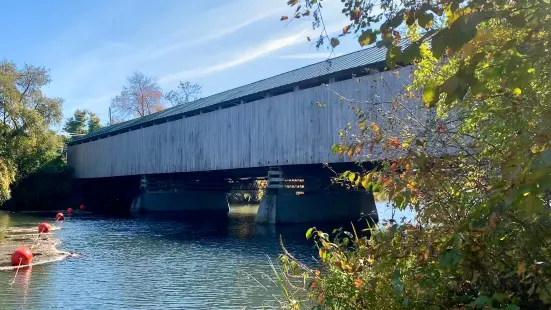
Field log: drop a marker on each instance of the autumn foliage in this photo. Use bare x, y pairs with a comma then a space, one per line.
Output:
472, 159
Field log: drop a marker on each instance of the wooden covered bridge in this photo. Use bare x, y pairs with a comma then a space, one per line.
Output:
282, 127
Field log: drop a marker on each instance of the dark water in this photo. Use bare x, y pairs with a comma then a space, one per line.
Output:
166, 262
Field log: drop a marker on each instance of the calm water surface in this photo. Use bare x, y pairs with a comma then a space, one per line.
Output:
161, 262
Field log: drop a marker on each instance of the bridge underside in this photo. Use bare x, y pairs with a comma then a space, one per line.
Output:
292, 194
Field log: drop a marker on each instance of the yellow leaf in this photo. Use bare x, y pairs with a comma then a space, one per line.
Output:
365, 182
517, 91
377, 131
346, 29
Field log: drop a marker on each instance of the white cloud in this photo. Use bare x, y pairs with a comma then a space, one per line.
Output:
218, 33
319, 55
244, 57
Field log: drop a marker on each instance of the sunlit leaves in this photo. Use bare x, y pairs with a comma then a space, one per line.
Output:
367, 37
476, 169
309, 232
352, 177
431, 94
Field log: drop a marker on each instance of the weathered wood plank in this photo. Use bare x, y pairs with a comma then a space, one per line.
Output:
279, 130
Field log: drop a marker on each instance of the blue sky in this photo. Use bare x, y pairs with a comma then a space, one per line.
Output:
91, 47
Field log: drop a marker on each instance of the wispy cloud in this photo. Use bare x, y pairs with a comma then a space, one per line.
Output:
320, 55
218, 33
244, 57
251, 54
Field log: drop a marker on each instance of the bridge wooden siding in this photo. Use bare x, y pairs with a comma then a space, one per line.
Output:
286, 129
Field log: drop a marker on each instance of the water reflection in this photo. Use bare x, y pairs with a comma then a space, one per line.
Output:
22, 280
168, 261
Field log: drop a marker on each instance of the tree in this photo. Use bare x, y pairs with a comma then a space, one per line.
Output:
93, 122
186, 93
139, 98
76, 124
82, 123
476, 168
26, 116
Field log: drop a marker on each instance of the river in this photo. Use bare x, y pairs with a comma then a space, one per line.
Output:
160, 262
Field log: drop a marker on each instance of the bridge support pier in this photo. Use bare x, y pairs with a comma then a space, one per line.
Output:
184, 201
286, 202
167, 197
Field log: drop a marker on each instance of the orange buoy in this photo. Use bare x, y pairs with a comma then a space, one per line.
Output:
82, 207
44, 228
21, 256
59, 217
70, 210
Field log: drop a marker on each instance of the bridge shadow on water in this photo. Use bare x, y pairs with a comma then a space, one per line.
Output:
239, 223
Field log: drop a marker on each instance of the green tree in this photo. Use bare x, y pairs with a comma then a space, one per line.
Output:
26, 116
469, 150
93, 122
76, 124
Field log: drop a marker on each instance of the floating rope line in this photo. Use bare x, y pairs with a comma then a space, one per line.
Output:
35, 242
16, 271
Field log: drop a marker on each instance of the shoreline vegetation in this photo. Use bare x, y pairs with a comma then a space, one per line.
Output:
462, 138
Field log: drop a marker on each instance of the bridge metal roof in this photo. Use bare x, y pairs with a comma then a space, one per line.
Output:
356, 60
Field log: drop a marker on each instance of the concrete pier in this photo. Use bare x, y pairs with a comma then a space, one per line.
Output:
321, 206
181, 201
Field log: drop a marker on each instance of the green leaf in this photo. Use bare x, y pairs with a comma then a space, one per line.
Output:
335, 42
424, 19
542, 162
500, 297
393, 55
544, 293
531, 204
383, 43
439, 43
512, 307
365, 183
397, 20
431, 94
309, 233
463, 30
450, 258
411, 18
411, 53
367, 37
483, 301
352, 177
454, 5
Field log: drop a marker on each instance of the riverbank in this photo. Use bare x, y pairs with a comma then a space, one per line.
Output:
44, 247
